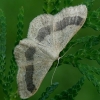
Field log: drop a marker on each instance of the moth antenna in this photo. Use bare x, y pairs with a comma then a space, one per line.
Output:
58, 63
66, 52
55, 70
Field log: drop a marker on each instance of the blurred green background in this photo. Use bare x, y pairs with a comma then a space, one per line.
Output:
66, 75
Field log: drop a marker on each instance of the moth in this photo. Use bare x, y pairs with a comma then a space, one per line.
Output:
47, 37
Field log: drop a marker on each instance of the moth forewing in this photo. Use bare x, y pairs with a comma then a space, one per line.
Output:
47, 37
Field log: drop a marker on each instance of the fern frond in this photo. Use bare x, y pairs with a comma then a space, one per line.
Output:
2, 47
93, 20
20, 25
2, 42
87, 52
51, 6
86, 70
71, 92
48, 91
88, 3
90, 54
73, 43
13, 67
67, 3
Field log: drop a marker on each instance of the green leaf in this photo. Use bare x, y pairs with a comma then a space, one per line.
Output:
73, 43
93, 20
67, 3
20, 25
90, 54
88, 72
88, 50
2, 35
13, 67
88, 3
71, 92
8, 79
48, 91
51, 6
2, 45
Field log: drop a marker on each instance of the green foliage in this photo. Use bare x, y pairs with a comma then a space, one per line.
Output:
88, 3
20, 25
48, 91
7, 80
71, 92
2, 49
89, 71
93, 20
2, 44
51, 6
67, 3
88, 51
13, 67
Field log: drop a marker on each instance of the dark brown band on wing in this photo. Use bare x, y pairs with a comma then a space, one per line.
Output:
76, 20
29, 53
29, 78
43, 32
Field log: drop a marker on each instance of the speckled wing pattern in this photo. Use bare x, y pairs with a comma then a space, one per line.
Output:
47, 37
